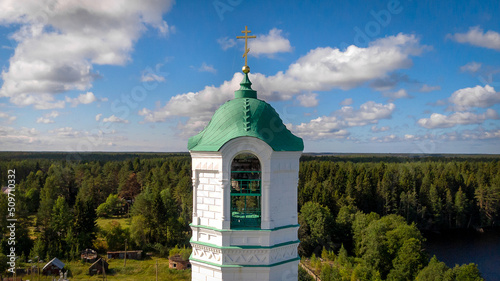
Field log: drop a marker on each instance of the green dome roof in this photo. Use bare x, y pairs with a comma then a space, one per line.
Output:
245, 116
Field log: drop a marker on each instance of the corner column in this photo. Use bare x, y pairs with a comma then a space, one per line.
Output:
226, 203
266, 205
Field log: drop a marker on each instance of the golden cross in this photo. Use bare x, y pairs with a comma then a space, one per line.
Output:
246, 31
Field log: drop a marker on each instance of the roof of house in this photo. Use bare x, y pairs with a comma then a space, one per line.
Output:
99, 261
56, 262
128, 251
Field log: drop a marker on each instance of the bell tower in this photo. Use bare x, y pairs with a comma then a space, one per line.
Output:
245, 166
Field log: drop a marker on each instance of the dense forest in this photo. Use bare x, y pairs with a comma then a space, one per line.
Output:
345, 201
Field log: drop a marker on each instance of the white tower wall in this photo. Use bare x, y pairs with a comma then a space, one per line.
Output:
222, 253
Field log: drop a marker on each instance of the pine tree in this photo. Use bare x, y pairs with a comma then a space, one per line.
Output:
84, 226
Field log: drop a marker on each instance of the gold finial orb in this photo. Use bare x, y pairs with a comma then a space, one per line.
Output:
245, 69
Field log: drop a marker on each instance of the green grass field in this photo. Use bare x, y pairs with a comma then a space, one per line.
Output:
105, 223
143, 270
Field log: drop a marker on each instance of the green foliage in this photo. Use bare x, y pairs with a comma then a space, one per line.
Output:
409, 261
316, 223
304, 276
465, 272
430, 191
434, 271
488, 200
84, 224
329, 273
183, 252
327, 255
3, 263
343, 258
115, 236
158, 219
113, 206
382, 243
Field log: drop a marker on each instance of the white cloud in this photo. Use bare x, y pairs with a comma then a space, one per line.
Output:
43, 120
198, 106
269, 44
66, 132
6, 116
150, 77
114, 119
325, 127
58, 42
14, 137
368, 113
308, 99
207, 68
390, 81
477, 37
98, 117
426, 88
400, 94
86, 98
480, 134
375, 129
41, 101
347, 101
324, 68
52, 114
335, 126
226, 43
471, 67
388, 138
47, 118
320, 70
478, 96
437, 120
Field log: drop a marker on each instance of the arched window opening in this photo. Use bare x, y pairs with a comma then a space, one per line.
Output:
245, 191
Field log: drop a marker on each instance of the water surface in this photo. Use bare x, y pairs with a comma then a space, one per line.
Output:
468, 246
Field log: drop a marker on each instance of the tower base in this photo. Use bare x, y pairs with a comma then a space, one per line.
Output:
287, 271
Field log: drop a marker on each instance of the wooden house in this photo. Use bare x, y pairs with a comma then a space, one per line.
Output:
53, 267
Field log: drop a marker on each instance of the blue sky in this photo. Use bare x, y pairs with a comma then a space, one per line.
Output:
346, 76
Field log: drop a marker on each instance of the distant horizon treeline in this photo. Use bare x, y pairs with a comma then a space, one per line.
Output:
434, 195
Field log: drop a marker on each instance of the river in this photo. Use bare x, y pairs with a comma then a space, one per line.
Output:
468, 246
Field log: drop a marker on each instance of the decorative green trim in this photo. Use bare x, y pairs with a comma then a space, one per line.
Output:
246, 194
244, 247
248, 265
244, 229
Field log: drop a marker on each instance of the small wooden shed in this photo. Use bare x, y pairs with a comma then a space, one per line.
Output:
178, 263
133, 255
97, 267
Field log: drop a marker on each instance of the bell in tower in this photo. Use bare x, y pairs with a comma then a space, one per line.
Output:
245, 166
